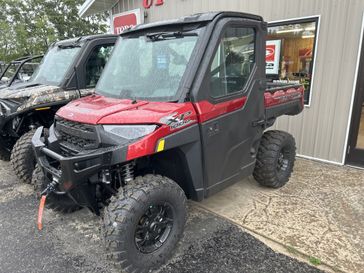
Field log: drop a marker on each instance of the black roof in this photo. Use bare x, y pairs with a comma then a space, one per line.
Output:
86, 38
197, 18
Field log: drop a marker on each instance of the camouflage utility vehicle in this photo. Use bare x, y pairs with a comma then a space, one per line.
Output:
69, 70
19, 70
180, 111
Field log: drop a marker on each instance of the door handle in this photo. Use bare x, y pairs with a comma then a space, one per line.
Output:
260, 122
213, 129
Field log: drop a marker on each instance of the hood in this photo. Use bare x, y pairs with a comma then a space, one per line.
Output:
26, 90
97, 109
3, 85
32, 95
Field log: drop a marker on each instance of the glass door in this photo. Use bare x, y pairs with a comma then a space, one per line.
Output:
355, 152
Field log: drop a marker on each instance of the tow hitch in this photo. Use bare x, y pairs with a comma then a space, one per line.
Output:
49, 189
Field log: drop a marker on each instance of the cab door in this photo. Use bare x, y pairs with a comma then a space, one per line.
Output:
231, 102
95, 62
90, 64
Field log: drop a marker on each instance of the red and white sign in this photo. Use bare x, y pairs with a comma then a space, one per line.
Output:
272, 57
270, 53
305, 53
125, 20
148, 3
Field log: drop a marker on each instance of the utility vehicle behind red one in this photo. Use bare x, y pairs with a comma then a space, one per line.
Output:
180, 111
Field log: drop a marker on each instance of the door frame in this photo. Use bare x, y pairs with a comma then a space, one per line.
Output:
353, 155
254, 86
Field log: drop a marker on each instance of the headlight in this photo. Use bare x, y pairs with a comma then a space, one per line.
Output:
130, 131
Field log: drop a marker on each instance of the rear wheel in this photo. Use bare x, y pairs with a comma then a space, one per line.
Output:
22, 158
275, 159
144, 222
57, 202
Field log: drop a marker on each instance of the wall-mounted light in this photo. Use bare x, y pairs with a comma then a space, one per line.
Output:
290, 30
308, 34
310, 28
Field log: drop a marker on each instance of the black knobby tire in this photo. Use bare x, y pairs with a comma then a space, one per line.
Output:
22, 158
275, 159
61, 203
126, 214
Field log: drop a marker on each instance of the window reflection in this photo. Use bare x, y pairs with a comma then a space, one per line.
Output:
290, 53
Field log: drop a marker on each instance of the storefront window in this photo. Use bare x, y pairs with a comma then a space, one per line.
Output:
290, 52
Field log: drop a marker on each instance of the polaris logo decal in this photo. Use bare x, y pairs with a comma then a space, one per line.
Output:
269, 53
176, 121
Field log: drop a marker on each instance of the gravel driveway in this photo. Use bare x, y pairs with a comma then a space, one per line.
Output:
71, 243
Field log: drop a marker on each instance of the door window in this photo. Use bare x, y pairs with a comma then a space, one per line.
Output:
233, 61
96, 63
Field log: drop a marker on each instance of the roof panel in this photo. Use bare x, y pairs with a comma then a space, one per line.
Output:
91, 7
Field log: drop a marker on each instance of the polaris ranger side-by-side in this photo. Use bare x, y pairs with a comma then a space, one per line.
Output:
19, 70
180, 111
70, 69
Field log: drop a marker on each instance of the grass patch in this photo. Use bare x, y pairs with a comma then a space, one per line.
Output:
292, 250
314, 261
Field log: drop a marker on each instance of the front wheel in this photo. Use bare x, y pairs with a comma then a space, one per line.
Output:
275, 159
144, 222
23, 159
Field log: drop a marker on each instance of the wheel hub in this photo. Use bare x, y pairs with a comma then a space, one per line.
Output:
154, 228
283, 161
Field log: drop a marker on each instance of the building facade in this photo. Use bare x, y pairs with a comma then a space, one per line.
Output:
314, 42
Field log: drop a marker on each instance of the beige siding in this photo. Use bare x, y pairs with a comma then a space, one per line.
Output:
321, 130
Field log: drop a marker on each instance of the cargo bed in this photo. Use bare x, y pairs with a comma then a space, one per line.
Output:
283, 99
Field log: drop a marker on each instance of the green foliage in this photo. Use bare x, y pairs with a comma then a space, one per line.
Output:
314, 261
28, 27
292, 250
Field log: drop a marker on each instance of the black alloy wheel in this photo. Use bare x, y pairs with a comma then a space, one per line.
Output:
154, 228
143, 223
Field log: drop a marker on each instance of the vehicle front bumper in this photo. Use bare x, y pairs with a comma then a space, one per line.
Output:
76, 175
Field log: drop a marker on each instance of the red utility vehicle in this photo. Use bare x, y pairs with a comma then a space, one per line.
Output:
180, 111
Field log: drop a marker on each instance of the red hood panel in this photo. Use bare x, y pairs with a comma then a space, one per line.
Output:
101, 110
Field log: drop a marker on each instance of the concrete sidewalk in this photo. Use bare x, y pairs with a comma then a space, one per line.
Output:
320, 213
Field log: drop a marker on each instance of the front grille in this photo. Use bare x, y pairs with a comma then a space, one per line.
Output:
75, 137
76, 125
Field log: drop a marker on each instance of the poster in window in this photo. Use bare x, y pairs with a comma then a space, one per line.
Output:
272, 57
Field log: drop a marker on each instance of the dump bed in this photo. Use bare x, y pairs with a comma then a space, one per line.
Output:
283, 99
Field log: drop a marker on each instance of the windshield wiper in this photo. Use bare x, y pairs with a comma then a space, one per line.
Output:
167, 35
68, 46
72, 45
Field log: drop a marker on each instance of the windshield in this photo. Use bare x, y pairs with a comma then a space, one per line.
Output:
147, 67
55, 65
